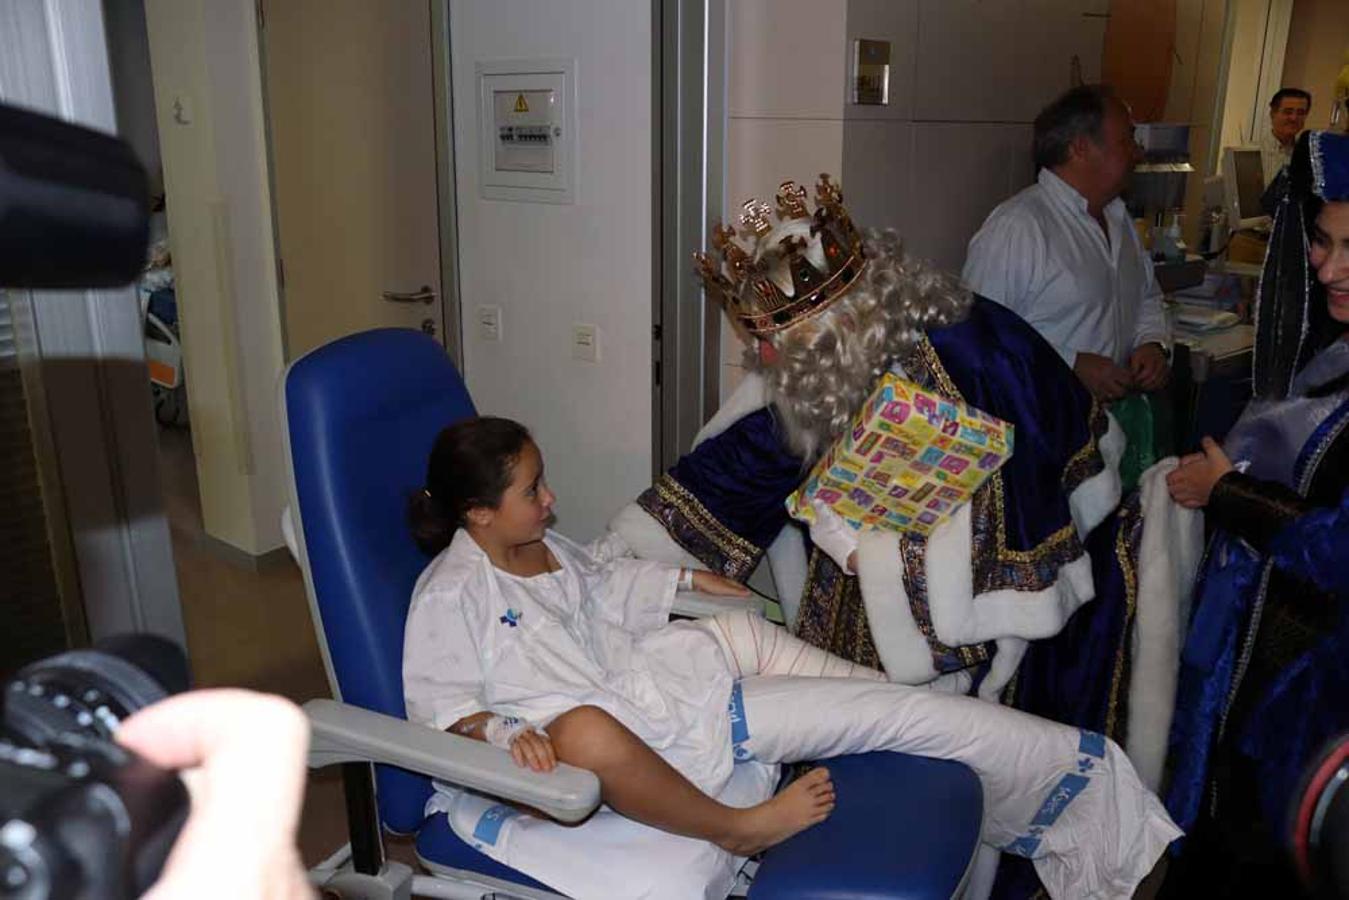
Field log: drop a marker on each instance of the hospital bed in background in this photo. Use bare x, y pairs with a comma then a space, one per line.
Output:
359, 418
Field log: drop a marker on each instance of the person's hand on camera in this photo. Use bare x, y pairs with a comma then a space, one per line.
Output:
1149, 368
1191, 483
1102, 376
244, 759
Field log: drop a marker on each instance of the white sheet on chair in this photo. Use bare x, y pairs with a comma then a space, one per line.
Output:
607, 856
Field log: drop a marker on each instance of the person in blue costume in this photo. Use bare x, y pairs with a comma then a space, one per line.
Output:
1265, 669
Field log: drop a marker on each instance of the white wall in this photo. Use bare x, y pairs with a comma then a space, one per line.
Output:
549, 266
1201, 28
205, 55
1259, 32
967, 79
1318, 46
785, 82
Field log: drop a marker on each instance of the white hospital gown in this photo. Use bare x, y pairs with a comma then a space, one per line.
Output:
594, 633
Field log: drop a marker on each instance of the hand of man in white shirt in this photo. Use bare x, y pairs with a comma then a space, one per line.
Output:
1149, 368
1103, 377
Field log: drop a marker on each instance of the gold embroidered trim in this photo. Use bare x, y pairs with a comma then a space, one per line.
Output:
832, 615
1088, 460
1056, 543
728, 542
1124, 554
1097, 429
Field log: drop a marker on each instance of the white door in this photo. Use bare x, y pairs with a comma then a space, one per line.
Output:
352, 129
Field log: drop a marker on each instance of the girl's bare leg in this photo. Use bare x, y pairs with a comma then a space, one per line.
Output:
636, 782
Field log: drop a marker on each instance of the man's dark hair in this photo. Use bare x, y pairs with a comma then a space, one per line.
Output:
1296, 93
1079, 112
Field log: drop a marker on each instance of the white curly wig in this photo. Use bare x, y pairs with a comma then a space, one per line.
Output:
826, 365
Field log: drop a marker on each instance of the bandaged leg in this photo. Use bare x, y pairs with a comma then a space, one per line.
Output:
1066, 798
754, 646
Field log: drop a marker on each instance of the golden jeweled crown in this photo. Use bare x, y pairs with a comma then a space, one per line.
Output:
790, 270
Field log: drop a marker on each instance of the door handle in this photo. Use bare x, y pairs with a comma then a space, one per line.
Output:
425, 295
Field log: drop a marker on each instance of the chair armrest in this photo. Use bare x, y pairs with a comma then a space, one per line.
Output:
343, 733
697, 605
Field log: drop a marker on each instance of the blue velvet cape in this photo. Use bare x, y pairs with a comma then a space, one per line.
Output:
1308, 701
724, 501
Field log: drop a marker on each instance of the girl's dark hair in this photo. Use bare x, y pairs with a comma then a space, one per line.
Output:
470, 466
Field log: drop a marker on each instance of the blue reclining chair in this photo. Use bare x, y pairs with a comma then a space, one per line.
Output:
359, 418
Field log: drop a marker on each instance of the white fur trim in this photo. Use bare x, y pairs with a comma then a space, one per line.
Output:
1168, 560
1004, 665
902, 648
1097, 497
750, 395
960, 617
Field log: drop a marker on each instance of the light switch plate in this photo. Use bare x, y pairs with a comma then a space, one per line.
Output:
489, 323
585, 342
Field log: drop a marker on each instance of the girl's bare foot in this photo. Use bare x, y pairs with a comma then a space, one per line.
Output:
805, 802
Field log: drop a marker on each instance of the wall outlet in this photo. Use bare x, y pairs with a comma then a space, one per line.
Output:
489, 323
585, 342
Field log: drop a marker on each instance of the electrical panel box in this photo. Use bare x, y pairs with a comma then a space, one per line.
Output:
527, 120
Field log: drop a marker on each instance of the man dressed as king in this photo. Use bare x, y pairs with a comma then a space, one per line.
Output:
830, 309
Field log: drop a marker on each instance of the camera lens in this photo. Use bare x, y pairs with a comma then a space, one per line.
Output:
81, 817
89, 692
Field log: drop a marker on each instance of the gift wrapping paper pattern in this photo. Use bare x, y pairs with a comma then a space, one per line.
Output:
910, 460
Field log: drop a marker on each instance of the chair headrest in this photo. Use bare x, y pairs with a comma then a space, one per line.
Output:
362, 414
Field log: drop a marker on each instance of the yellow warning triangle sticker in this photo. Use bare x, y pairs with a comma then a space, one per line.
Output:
520, 104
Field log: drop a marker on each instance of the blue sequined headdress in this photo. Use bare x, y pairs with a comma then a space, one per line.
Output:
1329, 154
1291, 321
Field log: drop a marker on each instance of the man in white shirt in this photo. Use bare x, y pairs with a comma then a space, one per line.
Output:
1287, 117
1063, 253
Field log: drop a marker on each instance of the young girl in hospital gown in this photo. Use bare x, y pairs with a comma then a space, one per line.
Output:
558, 652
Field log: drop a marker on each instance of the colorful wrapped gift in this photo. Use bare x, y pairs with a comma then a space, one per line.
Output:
911, 459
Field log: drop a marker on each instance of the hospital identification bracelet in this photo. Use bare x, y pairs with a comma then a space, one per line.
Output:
501, 731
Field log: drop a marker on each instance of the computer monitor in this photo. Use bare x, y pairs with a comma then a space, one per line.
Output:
1243, 185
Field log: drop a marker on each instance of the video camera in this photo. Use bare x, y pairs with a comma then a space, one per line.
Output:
80, 817
1319, 822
